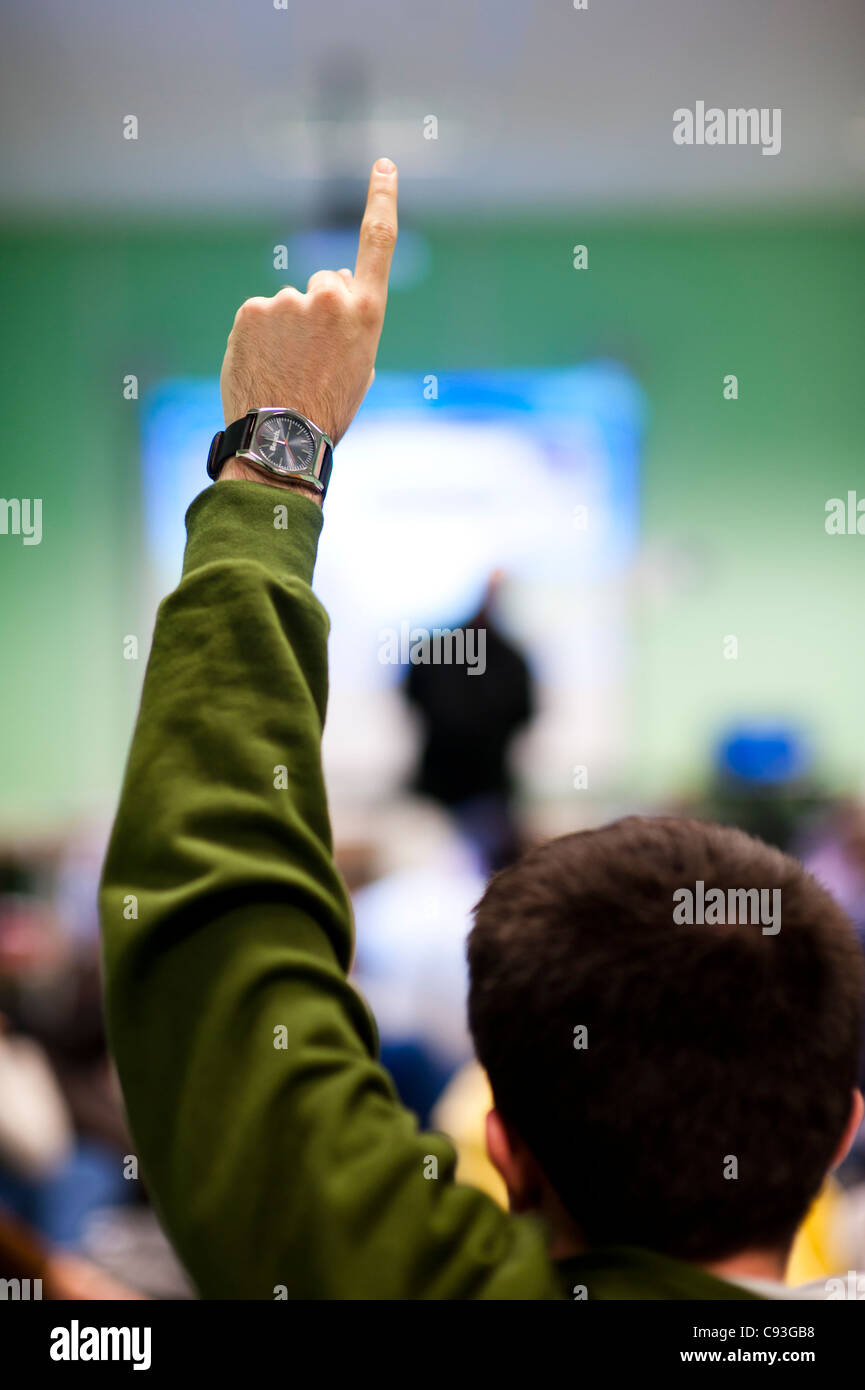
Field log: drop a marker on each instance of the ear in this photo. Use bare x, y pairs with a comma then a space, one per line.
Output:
513, 1163
857, 1110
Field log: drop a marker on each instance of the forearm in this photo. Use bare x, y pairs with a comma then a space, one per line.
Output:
220, 892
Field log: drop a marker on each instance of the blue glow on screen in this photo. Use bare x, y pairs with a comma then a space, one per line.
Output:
573, 438
533, 474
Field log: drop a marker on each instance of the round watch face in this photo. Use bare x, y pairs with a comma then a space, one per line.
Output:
286, 444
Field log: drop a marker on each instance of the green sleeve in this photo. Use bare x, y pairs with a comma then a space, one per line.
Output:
270, 1138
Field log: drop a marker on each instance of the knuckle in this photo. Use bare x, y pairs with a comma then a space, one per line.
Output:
250, 309
368, 308
328, 293
379, 232
289, 298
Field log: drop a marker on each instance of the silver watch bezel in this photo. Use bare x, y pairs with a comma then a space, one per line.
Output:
323, 441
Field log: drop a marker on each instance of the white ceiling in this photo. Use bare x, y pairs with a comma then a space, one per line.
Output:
242, 106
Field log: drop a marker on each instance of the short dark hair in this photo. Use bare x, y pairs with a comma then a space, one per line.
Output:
704, 1043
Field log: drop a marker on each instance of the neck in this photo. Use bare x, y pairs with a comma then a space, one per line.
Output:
566, 1240
753, 1264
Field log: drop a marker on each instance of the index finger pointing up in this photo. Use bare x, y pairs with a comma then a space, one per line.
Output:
378, 229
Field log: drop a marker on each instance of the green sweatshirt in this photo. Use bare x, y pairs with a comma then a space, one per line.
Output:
272, 1142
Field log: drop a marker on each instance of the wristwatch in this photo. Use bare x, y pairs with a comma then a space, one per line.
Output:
281, 442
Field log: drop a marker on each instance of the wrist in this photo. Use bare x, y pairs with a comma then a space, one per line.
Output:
241, 470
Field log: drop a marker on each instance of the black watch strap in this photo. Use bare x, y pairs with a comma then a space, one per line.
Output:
228, 442
326, 469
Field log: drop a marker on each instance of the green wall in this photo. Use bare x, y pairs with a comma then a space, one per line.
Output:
739, 487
